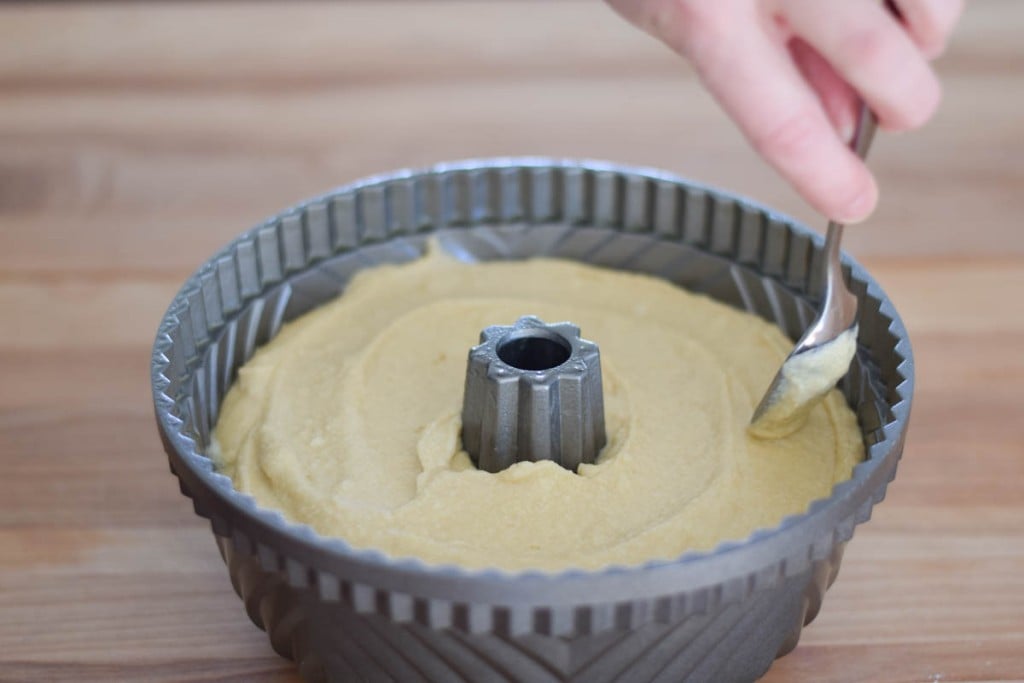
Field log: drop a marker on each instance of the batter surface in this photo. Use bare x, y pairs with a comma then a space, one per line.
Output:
349, 421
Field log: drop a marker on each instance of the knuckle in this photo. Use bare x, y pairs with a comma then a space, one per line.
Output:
864, 46
789, 139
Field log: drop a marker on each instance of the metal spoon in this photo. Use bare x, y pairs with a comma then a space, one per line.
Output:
823, 354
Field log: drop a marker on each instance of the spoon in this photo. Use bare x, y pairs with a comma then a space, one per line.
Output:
823, 354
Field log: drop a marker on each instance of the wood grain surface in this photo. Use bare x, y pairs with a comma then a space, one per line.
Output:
136, 138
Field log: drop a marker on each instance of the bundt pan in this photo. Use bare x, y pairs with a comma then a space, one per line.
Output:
346, 614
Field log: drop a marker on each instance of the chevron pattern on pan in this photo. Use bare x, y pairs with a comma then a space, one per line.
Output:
371, 647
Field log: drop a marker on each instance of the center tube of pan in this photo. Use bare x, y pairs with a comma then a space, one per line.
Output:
533, 392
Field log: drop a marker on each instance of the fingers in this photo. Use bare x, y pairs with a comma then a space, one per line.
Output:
839, 100
755, 80
791, 73
873, 53
930, 22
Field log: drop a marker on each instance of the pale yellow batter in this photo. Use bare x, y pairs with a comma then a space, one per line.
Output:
806, 377
349, 421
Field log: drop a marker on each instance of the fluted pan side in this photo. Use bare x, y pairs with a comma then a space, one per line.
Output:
332, 642
321, 601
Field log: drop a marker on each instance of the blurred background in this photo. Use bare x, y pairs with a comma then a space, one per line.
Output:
137, 138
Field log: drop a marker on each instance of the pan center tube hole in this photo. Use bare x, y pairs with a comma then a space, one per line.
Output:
534, 350
533, 393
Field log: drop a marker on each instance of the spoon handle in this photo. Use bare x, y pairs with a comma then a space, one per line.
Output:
865, 131
859, 143
840, 305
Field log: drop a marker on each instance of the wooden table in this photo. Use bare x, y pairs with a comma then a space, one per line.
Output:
137, 138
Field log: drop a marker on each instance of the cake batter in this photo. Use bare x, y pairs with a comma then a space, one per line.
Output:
349, 421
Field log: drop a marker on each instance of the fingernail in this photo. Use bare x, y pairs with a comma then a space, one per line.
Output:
859, 208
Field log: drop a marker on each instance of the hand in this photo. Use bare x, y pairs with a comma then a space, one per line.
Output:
790, 72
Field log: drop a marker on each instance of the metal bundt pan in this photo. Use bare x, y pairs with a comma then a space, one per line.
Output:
346, 614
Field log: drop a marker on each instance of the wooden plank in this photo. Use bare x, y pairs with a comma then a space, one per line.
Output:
126, 159
93, 155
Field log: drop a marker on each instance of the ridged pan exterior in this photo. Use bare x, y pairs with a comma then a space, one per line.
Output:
347, 615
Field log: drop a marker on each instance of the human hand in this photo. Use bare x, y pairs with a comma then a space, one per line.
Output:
790, 73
